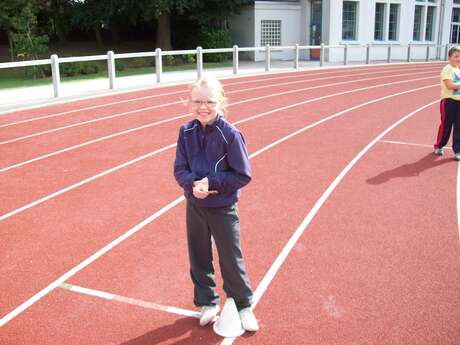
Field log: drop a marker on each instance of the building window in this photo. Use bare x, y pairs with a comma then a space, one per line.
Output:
430, 15
417, 23
379, 21
455, 28
349, 17
270, 32
425, 20
393, 24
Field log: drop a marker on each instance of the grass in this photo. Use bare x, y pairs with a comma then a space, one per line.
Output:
15, 77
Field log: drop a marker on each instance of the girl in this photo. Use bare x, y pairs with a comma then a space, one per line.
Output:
211, 166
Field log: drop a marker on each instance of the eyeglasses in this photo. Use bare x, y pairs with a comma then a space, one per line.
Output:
208, 104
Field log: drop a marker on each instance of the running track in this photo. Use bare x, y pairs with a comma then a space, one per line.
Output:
349, 226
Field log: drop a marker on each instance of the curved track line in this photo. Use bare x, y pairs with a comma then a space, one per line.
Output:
266, 280
8, 317
185, 115
249, 75
185, 91
150, 154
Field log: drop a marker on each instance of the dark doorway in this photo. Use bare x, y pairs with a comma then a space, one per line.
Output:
315, 27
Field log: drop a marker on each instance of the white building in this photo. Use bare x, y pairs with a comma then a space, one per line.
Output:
352, 22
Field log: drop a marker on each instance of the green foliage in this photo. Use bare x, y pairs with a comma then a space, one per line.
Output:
189, 58
212, 38
41, 71
70, 69
168, 60
18, 18
120, 65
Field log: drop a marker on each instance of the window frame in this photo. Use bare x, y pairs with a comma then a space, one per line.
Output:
356, 21
427, 27
269, 34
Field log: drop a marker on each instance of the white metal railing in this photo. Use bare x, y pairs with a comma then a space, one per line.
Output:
111, 57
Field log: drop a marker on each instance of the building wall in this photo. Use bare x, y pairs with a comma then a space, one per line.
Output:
242, 30
295, 17
365, 31
289, 14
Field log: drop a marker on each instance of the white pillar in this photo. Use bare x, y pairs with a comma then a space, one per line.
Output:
56, 75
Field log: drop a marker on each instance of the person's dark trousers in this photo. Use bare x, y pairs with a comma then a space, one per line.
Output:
223, 225
450, 117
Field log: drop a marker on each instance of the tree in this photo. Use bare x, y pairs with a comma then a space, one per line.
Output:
160, 11
215, 13
18, 18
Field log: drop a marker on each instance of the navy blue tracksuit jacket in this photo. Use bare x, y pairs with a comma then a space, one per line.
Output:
218, 152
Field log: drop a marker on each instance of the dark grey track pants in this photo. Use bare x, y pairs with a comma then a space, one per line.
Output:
223, 225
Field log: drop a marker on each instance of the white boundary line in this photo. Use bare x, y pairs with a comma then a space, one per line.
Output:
181, 102
129, 300
458, 174
25, 305
118, 167
108, 93
8, 317
274, 268
406, 143
185, 91
16, 165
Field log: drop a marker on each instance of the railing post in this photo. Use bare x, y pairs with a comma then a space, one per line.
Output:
368, 53
158, 64
345, 54
389, 54
111, 69
55, 74
199, 62
321, 56
409, 48
427, 53
267, 58
296, 56
235, 59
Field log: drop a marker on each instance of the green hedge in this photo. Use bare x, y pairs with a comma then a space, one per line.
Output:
213, 38
70, 69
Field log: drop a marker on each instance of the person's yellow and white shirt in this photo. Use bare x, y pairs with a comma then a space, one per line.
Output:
452, 73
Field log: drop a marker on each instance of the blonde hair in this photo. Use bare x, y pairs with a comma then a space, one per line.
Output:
454, 49
214, 85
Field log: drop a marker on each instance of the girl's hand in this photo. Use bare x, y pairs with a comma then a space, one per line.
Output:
204, 181
200, 191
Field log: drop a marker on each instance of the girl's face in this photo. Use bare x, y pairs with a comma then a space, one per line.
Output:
204, 104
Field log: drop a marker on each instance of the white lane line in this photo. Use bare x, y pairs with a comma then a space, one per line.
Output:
82, 182
129, 300
16, 165
301, 75
410, 144
78, 124
237, 91
8, 317
274, 268
89, 108
86, 143
118, 167
120, 239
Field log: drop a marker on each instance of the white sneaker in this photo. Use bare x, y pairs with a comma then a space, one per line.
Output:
208, 314
439, 152
248, 320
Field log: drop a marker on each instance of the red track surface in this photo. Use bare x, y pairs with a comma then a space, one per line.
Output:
378, 264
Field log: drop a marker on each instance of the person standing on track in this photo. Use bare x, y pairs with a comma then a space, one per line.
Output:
450, 105
211, 166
